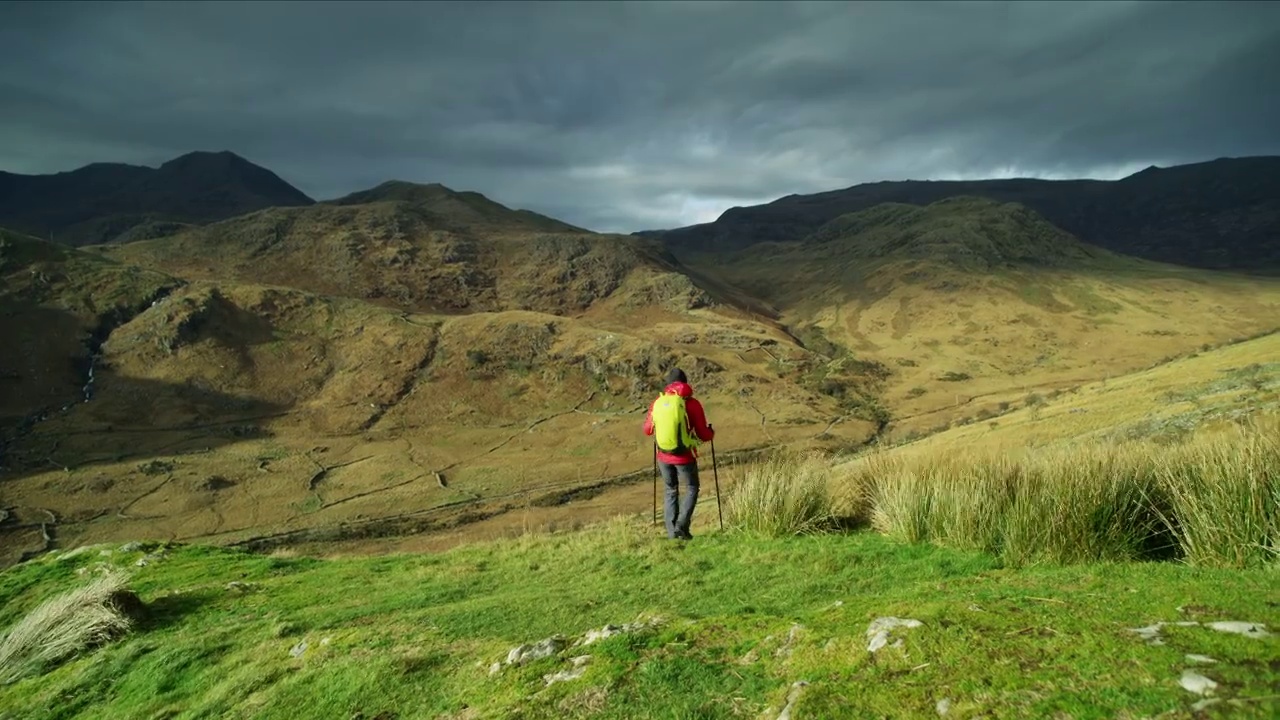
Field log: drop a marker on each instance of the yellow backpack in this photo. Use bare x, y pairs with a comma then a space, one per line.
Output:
671, 424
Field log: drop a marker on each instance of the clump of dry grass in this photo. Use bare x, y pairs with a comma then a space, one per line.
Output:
1214, 499
785, 494
68, 624
1224, 494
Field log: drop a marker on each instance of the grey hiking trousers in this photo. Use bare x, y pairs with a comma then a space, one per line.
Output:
678, 519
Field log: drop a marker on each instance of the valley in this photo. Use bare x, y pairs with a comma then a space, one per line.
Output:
406, 365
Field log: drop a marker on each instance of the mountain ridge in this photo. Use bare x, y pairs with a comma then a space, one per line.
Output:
1218, 214
100, 202
467, 205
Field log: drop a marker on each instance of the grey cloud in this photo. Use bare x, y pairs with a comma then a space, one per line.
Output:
624, 116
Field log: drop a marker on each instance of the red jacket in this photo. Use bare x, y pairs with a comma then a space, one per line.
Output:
697, 419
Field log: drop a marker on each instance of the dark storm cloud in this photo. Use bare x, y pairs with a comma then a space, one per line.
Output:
623, 116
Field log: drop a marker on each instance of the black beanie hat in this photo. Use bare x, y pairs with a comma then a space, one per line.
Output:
676, 375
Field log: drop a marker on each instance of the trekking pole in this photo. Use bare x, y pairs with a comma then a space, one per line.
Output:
716, 475
655, 483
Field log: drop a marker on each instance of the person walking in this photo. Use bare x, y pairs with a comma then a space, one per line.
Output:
678, 424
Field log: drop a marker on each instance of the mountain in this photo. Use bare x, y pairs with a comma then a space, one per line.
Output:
428, 248
107, 202
969, 302
413, 355
457, 209
1219, 214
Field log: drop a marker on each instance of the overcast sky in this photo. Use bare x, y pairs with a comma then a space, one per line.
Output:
622, 116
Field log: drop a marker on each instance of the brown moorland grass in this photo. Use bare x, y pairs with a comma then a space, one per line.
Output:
67, 624
1212, 498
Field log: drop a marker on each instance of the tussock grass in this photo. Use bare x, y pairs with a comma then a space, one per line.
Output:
788, 493
1213, 499
64, 626
1224, 496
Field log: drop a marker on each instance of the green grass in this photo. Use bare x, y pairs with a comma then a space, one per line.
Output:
743, 617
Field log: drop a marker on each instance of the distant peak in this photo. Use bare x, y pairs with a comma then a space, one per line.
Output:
202, 158
401, 191
407, 185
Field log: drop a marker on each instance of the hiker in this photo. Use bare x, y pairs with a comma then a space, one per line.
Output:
678, 424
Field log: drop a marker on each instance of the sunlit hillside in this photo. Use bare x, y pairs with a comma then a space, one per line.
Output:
973, 304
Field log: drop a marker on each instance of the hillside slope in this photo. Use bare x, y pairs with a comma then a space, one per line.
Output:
1219, 214
971, 303
57, 305
106, 202
1220, 386
723, 627
234, 411
423, 248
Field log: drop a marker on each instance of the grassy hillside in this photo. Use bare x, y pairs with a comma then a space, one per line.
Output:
56, 307
972, 304
1164, 403
726, 626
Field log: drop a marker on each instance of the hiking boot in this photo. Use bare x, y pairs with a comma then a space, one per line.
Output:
683, 535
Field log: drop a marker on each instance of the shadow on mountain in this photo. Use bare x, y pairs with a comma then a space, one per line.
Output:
64, 406
118, 418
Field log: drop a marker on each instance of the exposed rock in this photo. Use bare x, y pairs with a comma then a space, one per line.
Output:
550, 646
155, 467
1151, 633
579, 668
522, 654
129, 547
792, 697
564, 675
879, 629
149, 558
298, 649
1200, 659
607, 631
610, 630
1194, 682
943, 707
237, 586
785, 650
1253, 630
